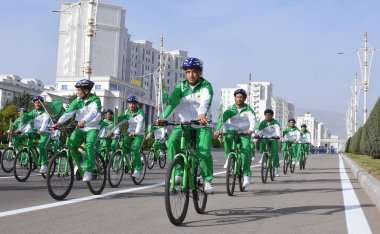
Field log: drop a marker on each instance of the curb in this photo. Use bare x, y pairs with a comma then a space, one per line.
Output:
370, 184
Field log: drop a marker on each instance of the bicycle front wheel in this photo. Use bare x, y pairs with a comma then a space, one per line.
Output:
50, 156
241, 187
22, 165
162, 159
301, 161
140, 179
264, 168
231, 175
151, 159
286, 162
60, 176
115, 169
7, 159
98, 182
176, 198
199, 195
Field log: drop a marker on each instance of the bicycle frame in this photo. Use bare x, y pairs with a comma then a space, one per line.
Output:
235, 150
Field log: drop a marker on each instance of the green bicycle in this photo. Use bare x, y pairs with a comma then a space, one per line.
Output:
121, 162
288, 160
157, 153
60, 174
177, 192
303, 157
235, 164
267, 161
8, 157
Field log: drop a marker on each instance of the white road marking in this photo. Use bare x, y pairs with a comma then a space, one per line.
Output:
355, 218
8, 177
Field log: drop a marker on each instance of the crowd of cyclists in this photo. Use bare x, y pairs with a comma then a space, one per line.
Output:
191, 99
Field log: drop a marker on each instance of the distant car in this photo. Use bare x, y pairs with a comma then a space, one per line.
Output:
318, 150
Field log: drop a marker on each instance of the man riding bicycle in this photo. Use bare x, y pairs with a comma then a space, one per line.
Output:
136, 130
106, 126
87, 110
305, 140
291, 136
192, 98
239, 117
270, 128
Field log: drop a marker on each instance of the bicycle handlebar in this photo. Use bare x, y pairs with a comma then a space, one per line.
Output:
173, 123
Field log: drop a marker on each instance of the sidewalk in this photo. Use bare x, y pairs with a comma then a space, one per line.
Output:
370, 184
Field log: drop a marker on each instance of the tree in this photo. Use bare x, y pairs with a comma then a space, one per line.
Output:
371, 139
22, 100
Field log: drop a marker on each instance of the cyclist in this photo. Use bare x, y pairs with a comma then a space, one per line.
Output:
270, 128
87, 109
39, 119
241, 118
18, 128
136, 131
304, 141
106, 125
291, 136
192, 98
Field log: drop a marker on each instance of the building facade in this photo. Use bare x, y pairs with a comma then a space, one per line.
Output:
312, 125
283, 111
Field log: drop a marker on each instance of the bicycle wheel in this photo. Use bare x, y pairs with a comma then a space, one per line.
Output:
7, 159
98, 182
264, 167
199, 196
60, 176
231, 175
139, 180
50, 156
241, 187
271, 173
22, 165
151, 159
176, 199
292, 166
301, 161
286, 162
162, 159
115, 169
106, 156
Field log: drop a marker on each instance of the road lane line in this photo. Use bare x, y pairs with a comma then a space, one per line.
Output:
8, 177
355, 218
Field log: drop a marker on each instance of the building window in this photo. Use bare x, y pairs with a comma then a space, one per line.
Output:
113, 86
168, 73
98, 87
64, 87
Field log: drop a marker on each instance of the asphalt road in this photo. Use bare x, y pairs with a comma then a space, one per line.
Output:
309, 201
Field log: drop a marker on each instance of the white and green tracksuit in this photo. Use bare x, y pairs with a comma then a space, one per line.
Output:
89, 110
268, 130
136, 125
192, 101
240, 120
106, 127
40, 121
290, 136
304, 141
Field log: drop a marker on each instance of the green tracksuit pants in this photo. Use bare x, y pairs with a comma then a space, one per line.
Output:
134, 145
44, 139
305, 148
245, 151
202, 147
274, 150
293, 146
77, 138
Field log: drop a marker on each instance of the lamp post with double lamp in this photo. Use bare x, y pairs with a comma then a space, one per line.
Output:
365, 54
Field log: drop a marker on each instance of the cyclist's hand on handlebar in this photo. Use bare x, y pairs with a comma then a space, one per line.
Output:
217, 133
248, 133
132, 134
276, 137
54, 126
203, 119
81, 124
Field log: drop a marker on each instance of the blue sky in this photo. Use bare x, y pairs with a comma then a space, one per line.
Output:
291, 43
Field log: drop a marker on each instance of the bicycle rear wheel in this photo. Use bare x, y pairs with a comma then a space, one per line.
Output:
139, 180
60, 176
301, 161
98, 182
115, 169
50, 156
271, 173
199, 196
292, 166
176, 199
162, 159
286, 162
151, 159
264, 167
231, 175
22, 165
7, 159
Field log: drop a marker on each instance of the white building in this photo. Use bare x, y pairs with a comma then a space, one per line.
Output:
13, 85
120, 67
283, 111
312, 125
320, 134
259, 96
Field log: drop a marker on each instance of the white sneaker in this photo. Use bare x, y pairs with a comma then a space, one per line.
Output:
298, 163
136, 174
226, 164
178, 179
87, 176
208, 187
43, 169
75, 170
294, 161
261, 160
276, 173
247, 181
